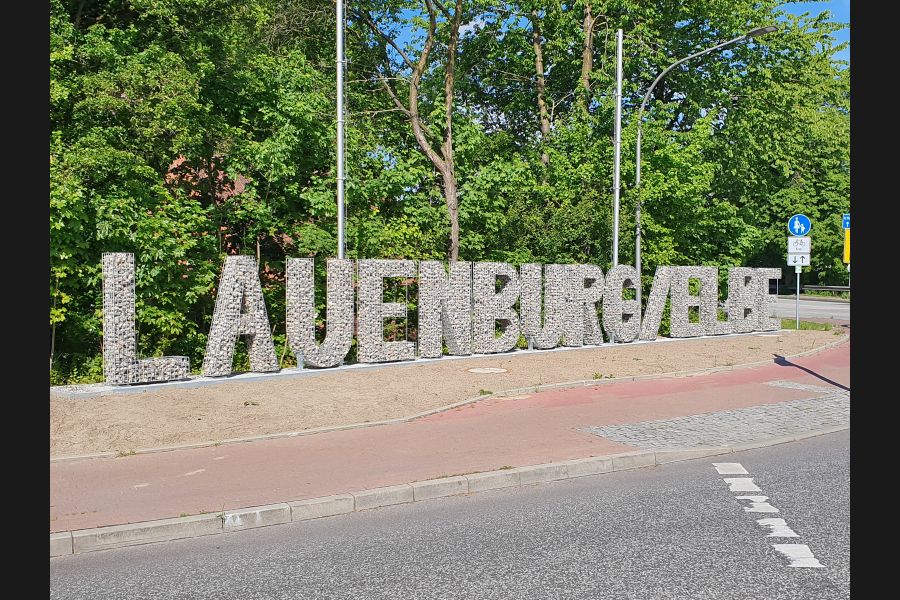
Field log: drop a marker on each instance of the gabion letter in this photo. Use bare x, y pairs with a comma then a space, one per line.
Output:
492, 307
445, 308
373, 310
656, 303
621, 318
301, 312
554, 293
240, 311
120, 363
585, 289
742, 304
707, 301
460, 306
764, 298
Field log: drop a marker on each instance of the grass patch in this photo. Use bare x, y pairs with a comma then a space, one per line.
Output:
445, 476
124, 453
792, 324
825, 293
483, 392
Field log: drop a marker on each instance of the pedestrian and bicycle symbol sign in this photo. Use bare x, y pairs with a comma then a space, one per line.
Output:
798, 249
799, 225
799, 245
845, 221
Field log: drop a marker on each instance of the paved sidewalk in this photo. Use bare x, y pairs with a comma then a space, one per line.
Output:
746, 404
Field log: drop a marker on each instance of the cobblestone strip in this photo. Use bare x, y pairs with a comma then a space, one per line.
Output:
731, 427
794, 385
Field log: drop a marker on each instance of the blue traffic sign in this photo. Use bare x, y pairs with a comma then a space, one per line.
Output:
846, 221
799, 225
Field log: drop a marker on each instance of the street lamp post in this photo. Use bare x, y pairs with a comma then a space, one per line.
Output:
339, 61
637, 176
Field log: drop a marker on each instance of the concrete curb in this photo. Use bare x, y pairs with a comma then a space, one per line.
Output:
133, 534
498, 394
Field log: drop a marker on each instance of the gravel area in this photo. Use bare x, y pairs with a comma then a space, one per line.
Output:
332, 397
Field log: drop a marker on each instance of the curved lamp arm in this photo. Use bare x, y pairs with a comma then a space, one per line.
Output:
640, 119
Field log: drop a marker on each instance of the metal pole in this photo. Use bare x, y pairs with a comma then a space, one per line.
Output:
340, 128
798, 268
617, 149
637, 217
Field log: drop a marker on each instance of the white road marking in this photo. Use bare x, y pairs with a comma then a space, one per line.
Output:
799, 555
481, 370
194, 472
730, 469
140, 485
741, 484
758, 504
219, 458
778, 526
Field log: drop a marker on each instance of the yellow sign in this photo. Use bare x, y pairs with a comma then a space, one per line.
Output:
847, 245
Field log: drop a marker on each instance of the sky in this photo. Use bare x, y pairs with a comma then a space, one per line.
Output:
840, 12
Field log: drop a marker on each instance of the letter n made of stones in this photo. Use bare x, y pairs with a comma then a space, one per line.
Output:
445, 308
240, 311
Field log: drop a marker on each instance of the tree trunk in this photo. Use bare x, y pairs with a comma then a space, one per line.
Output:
443, 161
541, 85
450, 197
587, 56
449, 172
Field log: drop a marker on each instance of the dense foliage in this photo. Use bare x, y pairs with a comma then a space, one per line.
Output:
187, 130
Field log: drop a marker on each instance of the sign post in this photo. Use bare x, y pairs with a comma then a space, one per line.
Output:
845, 223
799, 246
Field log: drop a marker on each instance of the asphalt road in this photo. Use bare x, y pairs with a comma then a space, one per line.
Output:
673, 531
819, 309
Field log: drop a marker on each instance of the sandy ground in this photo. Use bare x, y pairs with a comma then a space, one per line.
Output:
151, 419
